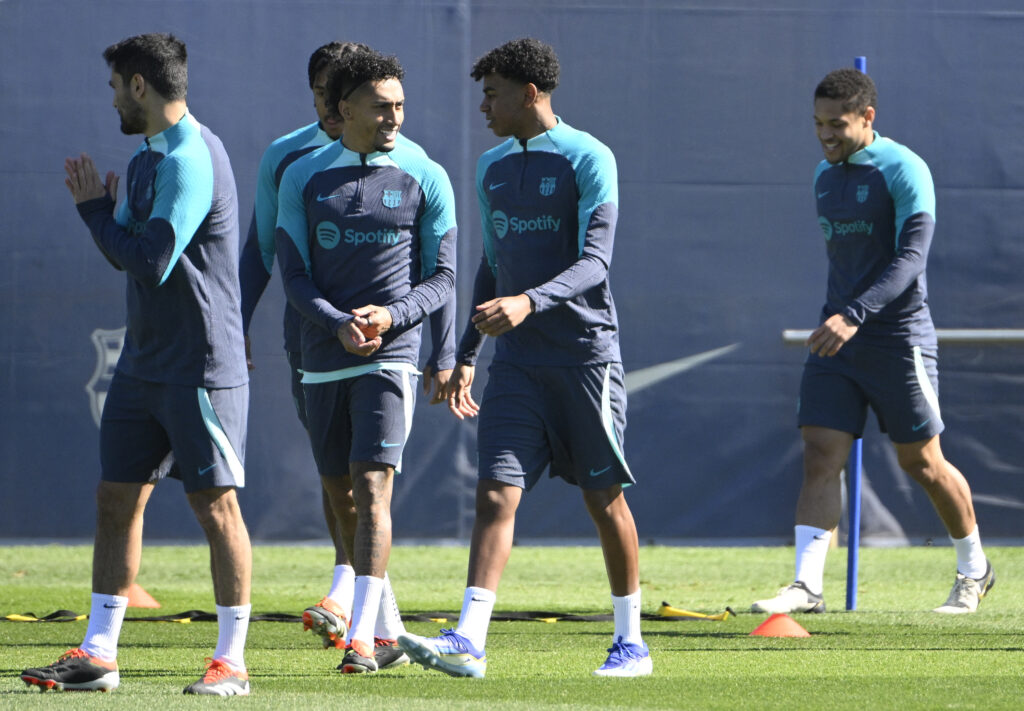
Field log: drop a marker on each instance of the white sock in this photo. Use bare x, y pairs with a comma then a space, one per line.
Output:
970, 558
477, 605
365, 606
343, 588
232, 628
811, 549
105, 618
389, 619
627, 618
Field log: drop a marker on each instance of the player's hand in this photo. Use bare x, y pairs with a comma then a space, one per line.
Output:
829, 337
372, 320
501, 315
353, 340
83, 180
458, 392
248, 354
439, 379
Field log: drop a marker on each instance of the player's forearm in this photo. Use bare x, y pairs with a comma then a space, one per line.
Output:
442, 336
484, 289
432, 292
302, 293
585, 273
908, 264
253, 278
146, 256
95, 214
424, 298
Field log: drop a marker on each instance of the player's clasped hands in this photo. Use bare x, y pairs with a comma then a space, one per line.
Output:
83, 180
362, 335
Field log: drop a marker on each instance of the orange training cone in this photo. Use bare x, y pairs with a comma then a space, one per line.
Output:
137, 597
780, 625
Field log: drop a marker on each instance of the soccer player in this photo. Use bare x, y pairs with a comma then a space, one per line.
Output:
876, 345
181, 384
555, 395
366, 237
329, 617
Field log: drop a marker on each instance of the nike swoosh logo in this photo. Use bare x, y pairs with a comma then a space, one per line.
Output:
384, 443
321, 198
644, 378
916, 428
477, 599
494, 186
821, 537
821, 195
599, 472
111, 607
204, 470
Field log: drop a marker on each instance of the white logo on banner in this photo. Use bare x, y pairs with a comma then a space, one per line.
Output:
108, 350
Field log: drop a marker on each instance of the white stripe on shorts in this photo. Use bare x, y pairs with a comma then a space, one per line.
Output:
220, 438
407, 403
925, 383
608, 420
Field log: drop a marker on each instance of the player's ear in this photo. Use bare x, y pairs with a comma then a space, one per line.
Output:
530, 93
869, 114
345, 110
137, 86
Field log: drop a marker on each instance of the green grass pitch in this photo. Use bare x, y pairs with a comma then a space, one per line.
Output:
890, 654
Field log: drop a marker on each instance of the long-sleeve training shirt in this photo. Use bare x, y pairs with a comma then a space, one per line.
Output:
877, 211
259, 251
549, 207
176, 236
355, 229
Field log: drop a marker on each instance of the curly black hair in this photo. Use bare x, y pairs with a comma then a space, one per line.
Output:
359, 67
525, 60
161, 59
328, 54
851, 86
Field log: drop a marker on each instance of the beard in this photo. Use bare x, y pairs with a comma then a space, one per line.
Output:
133, 119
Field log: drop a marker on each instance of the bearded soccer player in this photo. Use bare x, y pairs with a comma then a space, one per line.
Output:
181, 385
876, 346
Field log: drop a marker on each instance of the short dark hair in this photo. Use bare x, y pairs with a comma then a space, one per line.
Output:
851, 86
329, 53
357, 68
161, 59
525, 60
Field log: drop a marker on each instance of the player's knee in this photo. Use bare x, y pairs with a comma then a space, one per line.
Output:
216, 510
925, 472
117, 505
496, 502
605, 503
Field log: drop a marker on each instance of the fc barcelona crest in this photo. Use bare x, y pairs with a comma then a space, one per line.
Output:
862, 193
547, 186
392, 198
108, 350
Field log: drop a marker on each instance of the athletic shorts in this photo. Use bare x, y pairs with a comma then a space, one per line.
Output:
143, 423
900, 384
571, 418
366, 418
298, 394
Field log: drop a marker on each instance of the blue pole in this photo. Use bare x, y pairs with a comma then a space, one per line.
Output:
853, 471
853, 477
